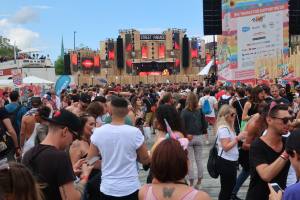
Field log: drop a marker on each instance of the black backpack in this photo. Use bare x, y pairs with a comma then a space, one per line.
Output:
212, 161
223, 102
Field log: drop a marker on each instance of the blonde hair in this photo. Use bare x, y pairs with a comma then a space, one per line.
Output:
191, 102
223, 114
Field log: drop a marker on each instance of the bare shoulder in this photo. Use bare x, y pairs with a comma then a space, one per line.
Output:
202, 195
247, 104
75, 144
143, 191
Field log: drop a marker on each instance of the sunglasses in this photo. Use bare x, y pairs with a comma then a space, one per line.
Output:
74, 134
285, 120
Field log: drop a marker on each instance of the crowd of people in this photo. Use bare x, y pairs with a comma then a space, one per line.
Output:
92, 142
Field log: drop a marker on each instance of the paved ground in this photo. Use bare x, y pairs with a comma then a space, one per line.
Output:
209, 185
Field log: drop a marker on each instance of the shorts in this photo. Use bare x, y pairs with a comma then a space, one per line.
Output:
211, 120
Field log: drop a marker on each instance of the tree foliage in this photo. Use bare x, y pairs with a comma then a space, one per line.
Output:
59, 66
6, 52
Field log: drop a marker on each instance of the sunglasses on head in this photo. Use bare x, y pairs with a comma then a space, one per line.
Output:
285, 120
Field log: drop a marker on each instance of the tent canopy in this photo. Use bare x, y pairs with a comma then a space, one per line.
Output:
205, 70
6, 83
35, 80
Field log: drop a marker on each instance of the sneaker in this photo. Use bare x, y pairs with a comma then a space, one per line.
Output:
207, 142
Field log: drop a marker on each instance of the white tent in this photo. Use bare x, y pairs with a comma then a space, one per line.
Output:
6, 83
35, 80
206, 69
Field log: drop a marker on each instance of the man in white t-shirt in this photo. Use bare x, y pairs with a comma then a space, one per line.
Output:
120, 146
211, 117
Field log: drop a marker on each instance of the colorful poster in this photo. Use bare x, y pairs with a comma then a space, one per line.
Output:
252, 29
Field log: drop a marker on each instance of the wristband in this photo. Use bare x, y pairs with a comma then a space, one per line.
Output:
283, 157
84, 178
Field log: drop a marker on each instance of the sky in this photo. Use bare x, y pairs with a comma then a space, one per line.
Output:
41, 24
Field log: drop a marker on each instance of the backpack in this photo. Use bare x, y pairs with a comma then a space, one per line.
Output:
223, 102
212, 160
13, 118
206, 109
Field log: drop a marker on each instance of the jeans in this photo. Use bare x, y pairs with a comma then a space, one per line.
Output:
240, 180
195, 156
227, 170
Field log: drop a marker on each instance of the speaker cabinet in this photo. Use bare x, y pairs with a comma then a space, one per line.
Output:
294, 17
67, 64
120, 53
212, 17
185, 52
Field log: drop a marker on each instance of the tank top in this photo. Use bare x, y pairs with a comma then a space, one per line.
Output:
190, 195
253, 109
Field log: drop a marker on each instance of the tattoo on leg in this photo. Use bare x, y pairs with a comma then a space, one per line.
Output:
167, 192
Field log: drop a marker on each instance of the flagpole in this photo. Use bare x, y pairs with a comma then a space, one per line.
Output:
15, 56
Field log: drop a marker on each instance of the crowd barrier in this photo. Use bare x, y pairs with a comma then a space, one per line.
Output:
127, 79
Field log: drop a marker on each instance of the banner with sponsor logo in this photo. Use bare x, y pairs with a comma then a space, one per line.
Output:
252, 29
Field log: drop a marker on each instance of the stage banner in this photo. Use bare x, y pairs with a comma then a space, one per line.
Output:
62, 83
252, 29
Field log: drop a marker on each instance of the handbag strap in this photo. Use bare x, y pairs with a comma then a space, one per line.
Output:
217, 139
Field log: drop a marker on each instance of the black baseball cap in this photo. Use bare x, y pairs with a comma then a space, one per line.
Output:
68, 119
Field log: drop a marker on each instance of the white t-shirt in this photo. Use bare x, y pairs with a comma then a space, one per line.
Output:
212, 101
233, 153
118, 145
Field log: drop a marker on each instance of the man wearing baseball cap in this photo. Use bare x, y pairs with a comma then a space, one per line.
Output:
51, 164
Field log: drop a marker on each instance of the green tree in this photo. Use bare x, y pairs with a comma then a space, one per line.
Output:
8, 52
59, 66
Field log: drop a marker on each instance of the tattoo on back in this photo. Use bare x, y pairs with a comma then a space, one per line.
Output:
168, 192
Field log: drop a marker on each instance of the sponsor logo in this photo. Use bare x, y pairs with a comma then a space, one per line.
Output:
245, 29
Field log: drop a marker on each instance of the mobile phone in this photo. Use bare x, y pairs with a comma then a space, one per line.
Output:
93, 160
276, 187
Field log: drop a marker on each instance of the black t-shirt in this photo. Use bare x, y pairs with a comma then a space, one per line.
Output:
261, 153
281, 101
51, 166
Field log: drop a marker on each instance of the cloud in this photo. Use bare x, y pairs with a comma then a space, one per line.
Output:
12, 26
25, 15
24, 38
4, 22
